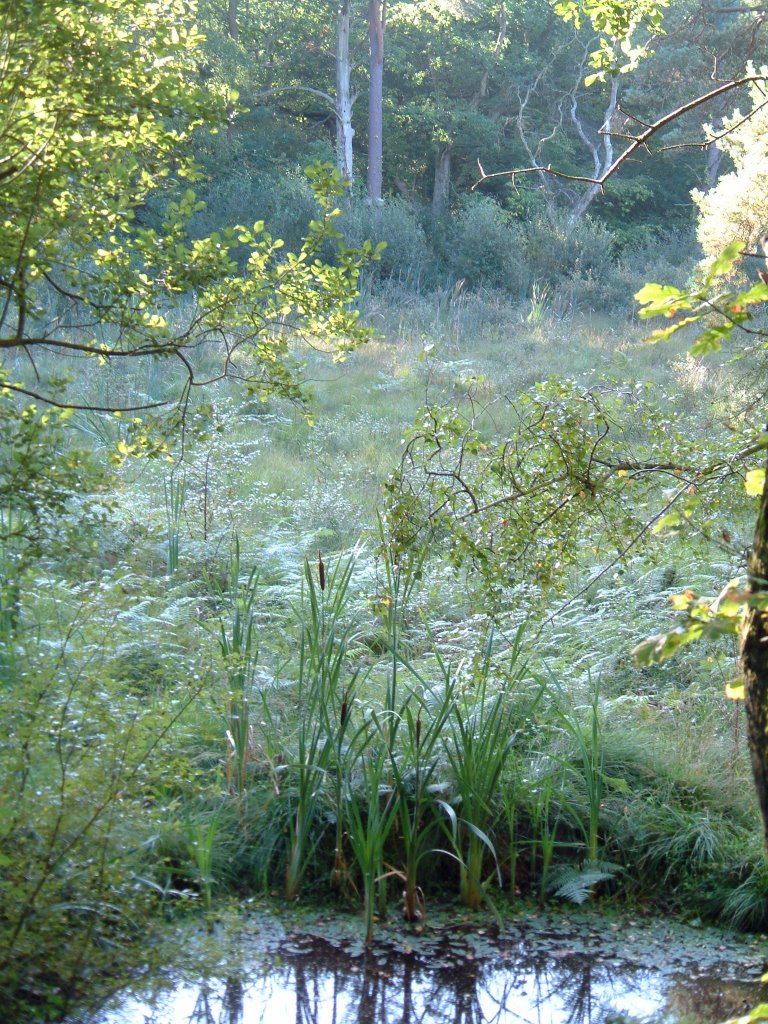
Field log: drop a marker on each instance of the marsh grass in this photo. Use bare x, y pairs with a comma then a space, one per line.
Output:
174, 489
746, 906
482, 729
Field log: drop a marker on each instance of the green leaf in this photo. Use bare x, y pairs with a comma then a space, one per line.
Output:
711, 340
725, 262
659, 296
662, 646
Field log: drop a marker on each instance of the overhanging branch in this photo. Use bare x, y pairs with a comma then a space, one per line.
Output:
638, 142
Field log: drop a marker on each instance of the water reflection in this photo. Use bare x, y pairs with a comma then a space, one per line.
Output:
312, 982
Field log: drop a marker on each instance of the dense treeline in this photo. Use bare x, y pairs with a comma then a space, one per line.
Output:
466, 83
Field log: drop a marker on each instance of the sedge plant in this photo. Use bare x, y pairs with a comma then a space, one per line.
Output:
479, 739
370, 815
323, 691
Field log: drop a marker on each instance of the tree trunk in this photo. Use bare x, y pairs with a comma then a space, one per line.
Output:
754, 659
714, 159
442, 188
376, 14
232, 18
602, 160
344, 99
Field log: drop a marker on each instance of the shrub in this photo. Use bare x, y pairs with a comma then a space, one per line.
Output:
576, 261
486, 247
284, 201
407, 254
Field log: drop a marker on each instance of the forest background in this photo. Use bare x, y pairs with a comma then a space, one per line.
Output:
281, 533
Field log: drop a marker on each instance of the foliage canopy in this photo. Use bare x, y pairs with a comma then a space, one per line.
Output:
96, 101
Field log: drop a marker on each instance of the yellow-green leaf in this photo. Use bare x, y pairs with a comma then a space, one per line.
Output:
755, 482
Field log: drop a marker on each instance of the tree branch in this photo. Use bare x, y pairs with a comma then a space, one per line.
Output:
638, 141
299, 88
47, 400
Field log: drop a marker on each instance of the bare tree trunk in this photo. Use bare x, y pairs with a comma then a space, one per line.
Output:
376, 16
232, 19
547, 186
754, 659
442, 188
714, 159
602, 154
344, 97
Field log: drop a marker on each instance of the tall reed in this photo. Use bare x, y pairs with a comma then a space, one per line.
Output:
414, 764
174, 489
588, 740
323, 695
481, 734
237, 639
402, 572
201, 836
237, 642
370, 817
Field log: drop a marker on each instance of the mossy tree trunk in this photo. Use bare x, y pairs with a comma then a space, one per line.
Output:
754, 659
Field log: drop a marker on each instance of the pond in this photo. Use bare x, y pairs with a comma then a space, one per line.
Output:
580, 968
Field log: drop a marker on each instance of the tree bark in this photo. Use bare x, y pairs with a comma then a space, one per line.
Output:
232, 19
442, 187
602, 155
376, 15
714, 159
754, 659
344, 98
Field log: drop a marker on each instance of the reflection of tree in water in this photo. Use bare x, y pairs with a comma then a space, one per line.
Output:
572, 982
454, 994
233, 1001
723, 999
329, 987
203, 1013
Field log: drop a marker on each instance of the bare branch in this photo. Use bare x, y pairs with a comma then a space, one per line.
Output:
640, 141
299, 88
47, 400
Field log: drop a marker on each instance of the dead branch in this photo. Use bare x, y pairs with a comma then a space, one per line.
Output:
638, 142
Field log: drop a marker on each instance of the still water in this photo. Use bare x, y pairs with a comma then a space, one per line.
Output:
536, 971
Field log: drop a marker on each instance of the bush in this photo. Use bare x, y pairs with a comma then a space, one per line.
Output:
575, 261
669, 259
285, 202
485, 246
407, 255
